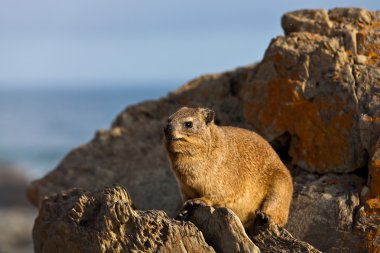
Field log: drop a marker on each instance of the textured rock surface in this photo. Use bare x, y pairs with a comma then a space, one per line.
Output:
316, 92
106, 221
222, 229
370, 213
272, 238
323, 212
320, 83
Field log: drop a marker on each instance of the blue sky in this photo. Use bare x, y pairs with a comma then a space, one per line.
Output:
125, 42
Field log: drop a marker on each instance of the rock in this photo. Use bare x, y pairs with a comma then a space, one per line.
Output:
323, 212
272, 238
315, 96
369, 215
311, 21
309, 86
368, 220
222, 229
106, 221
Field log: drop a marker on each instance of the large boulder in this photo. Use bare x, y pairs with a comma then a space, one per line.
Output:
320, 84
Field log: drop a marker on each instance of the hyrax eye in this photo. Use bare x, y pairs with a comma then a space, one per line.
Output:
188, 124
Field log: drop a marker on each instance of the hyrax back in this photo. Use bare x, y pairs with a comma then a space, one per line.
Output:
227, 166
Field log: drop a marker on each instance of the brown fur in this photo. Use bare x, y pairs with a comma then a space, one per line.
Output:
227, 166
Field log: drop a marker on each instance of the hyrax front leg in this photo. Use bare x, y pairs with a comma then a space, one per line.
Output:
275, 208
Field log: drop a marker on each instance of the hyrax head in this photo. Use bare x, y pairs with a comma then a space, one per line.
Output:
188, 126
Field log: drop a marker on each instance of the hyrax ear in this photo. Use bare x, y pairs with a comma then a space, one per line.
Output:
209, 115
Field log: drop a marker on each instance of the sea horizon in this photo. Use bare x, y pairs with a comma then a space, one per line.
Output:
40, 125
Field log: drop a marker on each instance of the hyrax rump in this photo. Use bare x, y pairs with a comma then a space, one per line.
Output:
227, 167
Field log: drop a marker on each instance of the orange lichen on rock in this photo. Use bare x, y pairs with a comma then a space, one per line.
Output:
373, 57
368, 43
286, 110
373, 239
373, 235
374, 171
372, 204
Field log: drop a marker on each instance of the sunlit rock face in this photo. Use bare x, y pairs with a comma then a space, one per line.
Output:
320, 84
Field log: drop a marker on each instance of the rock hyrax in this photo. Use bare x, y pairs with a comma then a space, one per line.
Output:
227, 167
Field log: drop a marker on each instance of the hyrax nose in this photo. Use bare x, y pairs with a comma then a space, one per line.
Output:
168, 129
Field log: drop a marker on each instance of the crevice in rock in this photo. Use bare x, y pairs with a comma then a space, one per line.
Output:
355, 85
281, 145
363, 170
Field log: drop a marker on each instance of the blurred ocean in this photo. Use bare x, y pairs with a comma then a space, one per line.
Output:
39, 126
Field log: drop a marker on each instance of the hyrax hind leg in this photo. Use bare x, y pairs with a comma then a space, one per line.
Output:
277, 201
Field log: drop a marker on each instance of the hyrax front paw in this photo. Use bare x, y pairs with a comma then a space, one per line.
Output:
190, 204
262, 219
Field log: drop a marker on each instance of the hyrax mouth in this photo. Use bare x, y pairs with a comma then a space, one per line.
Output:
173, 138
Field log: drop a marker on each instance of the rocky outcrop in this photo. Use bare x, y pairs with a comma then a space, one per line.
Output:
320, 84
315, 96
106, 221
